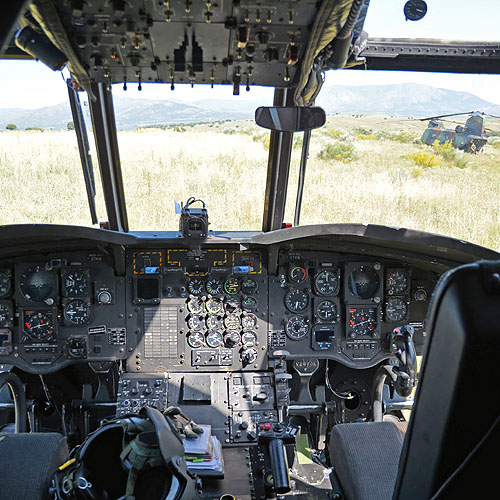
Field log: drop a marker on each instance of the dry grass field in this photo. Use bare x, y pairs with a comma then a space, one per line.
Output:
365, 169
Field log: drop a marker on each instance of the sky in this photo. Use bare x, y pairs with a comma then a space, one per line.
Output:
29, 84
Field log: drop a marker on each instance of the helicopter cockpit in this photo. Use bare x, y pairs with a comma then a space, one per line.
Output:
270, 341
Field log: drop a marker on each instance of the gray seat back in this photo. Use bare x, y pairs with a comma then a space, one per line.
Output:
453, 432
27, 462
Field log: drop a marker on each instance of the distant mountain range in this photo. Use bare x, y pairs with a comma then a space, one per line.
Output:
405, 100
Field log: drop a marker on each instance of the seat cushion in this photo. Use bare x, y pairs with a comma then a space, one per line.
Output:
365, 457
27, 462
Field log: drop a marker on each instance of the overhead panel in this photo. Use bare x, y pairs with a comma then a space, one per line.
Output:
181, 41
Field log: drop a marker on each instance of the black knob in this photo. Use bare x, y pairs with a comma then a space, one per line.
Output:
252, 436
244, 425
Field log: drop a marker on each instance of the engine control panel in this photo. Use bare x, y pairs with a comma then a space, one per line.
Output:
204, 309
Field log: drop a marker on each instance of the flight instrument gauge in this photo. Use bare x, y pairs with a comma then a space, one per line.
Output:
214, 323
364, 282
39, 325
232, 286
249, 286
232, 338
249, 303
396, 310
396, 282
414, 10
297, 327
214, 339
195, 286
362, 321
5, 282
195, 305
296, 300
75, 283
249, 321
326, 310
214, 306
298, 274
77, 313
214, 286
196, 340
249, 338
232, 321
326, 282
196, 323
37, 284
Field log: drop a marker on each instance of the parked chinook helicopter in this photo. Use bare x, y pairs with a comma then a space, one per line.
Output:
294, 349
470, 138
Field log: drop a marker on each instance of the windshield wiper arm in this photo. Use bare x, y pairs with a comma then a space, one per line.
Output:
83, 147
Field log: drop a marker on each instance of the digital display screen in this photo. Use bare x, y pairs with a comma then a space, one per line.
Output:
148, 288
151, 270
241, 269
324, 335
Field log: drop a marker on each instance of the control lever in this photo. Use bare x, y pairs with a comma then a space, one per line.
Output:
275, 441
404, 350
402, 377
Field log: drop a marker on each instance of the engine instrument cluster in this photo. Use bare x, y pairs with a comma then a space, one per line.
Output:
198, 308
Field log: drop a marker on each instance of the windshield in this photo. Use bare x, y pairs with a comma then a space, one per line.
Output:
371, 163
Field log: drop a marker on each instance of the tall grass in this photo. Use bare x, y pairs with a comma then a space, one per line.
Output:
42, 181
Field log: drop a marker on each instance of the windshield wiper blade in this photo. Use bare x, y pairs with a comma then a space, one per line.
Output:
83, 147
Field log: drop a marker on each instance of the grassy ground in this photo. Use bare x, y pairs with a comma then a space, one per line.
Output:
366, 169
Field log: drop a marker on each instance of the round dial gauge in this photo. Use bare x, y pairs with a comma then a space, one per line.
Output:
232, 338
37, 284
326, 283
364, 282
232, 321
76, 283
249, 355
296, 300
414, 10
362, 321
196, 340
232, 286
298, 274
297, 327
396, 282
214, 323
195, 305
5, 282
249, 285
38, 325
214, 339
249, 321
327, 311
77, 312
249, 303
5, 315
249, 338
196, 323
214, 306
195, 286
396, 310
232, 305
214, 286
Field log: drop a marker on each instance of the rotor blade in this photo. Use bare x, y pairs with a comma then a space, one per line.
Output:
444, 116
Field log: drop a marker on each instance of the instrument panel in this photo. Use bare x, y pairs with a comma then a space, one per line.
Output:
200, 308
341, 307
205, 309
